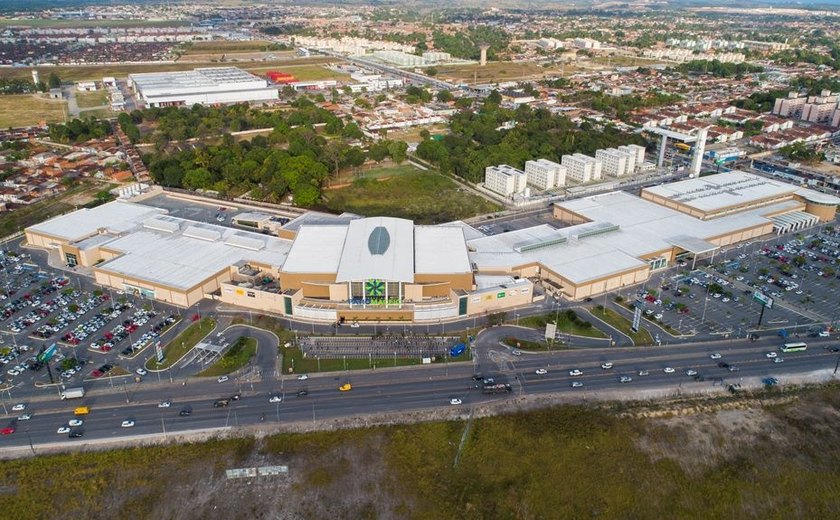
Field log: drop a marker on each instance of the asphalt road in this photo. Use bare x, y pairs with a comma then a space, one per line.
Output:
402, 389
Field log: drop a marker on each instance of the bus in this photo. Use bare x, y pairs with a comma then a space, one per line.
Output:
794, 347
683, 146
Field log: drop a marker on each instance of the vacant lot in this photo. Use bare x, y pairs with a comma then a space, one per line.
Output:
761, 456
96, 72
29, 110
425, 197
497, 71
20, 218
229, 46
92, 99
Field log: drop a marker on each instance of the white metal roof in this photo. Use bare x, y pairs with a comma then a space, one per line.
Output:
113, 217
316, 249
597, 250
440, 250
722, 190
378, 248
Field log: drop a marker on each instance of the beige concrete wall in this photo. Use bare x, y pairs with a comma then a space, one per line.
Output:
316, 290
569, 217
296, 280
490, 302
825, 213
462, 281
261, 300
376, 314
412, 292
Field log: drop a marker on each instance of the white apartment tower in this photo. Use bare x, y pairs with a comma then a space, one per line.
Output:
614, 161
639, 152
582, 168
544, 174
504, 180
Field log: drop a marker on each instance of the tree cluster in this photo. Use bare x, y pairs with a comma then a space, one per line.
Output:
719, 69
79, 130
293, 158
475, 141
465, 44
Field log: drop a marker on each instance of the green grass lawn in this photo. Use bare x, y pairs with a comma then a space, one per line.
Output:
425, 197
97, 98
181, 344
621, 323
532, 346
235, 358
293, 359
565, 324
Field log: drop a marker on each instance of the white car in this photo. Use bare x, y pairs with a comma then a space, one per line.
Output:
779, 360
19, 407
606, 366
716, 355
541, 372
165, 404
141, 372
128, 423
517, 352
575, 372
577, 384
625, 379
222, 379
63, 429
354, 325
303, 377
690, 372
76, 422
669, 370
275, 399
454, 400
771, 355
658, 316
25, 417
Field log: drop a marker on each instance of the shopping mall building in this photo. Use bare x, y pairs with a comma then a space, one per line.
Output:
332, 268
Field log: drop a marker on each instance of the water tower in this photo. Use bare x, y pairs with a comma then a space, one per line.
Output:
483, 60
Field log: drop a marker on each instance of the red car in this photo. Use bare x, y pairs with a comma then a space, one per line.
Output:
96, 373
8, 430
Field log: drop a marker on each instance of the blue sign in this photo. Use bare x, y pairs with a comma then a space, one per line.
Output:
47, 354
457, 350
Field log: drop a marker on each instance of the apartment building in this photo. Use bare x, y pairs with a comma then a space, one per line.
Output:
614, 161
544, 174
504, 179
582, 168
639, 155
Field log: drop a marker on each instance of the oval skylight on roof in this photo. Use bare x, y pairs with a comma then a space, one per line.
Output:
379, 240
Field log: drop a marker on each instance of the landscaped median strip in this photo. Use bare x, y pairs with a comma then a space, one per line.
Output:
176, 349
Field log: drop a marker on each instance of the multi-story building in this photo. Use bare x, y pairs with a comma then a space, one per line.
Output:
544, 174
400, 58
436, 56
615, 161
504, 180
582, 168
790, 106
639, 153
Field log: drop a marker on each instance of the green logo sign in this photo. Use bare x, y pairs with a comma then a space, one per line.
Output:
500, 295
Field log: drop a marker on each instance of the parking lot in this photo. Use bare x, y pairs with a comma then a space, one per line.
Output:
94, 332
799, 272
513, 223
221, 214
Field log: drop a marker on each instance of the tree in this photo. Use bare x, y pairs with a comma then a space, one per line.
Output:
398, 151
353, 157
54, 81
431, 71
198, 178
444, 96
352, 131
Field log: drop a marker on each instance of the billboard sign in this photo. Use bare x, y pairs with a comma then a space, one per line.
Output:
637, 318
158, 352
47, 353
763, 299
550, 331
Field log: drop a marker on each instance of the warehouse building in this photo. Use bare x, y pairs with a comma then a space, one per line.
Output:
204, 86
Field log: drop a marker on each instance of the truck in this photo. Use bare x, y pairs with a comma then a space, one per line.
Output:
73, 393
221, 403
496, 388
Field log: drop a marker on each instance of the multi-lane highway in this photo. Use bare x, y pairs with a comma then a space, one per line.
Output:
408, 389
